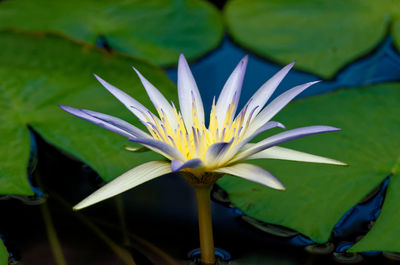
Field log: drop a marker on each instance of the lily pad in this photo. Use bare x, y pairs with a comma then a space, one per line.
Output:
157, 30
322, 35
3, 254
385, 233
37, 74
317, 196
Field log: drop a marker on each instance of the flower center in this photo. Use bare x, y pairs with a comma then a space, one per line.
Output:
193, 142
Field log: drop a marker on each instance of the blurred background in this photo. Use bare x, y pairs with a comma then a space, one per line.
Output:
50, 161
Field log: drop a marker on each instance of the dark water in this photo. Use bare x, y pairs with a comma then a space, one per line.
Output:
161, 212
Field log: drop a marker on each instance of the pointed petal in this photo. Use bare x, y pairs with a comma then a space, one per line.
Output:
158, 99
235, 149
126, 181
118, 123
177, 165
276, 152
161, 147
187, 88
215, 152
130, 103
253, 173
267, 89
276, 105
267, 126
231, 92
281, 138
111, 123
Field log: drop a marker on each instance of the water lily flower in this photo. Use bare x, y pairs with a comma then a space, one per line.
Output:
202, 153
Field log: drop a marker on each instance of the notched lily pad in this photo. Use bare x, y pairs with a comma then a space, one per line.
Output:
317, 196
37, 74
157, 30
322, 35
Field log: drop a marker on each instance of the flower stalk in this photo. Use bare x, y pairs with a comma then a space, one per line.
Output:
205, 224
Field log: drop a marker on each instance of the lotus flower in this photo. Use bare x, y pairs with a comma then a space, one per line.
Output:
203, 154
200, 153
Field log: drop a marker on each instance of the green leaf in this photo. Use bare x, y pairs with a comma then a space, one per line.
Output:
14, 155
37, 74
3, 254
317, 196
322, 35
156, 30
384, 235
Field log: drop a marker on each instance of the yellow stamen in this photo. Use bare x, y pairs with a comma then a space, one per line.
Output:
194, 142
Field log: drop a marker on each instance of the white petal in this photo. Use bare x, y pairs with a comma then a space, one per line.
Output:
126, 181
130, 103
267, 126
282, 138
114, 126
235, 149
276, 105
177, 165
158, 100
231, 92
162, 148
253, 173
216, 152
119, 123
266, 90
277, 152
187, 88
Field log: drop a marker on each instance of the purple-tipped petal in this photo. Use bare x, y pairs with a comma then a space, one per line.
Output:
277, 152
187, 88
235, 149
282, 138
177, 165
161, 147
267, 126
267, 89
253, 173
276, 105
215, 152
108, 122
158, 99
118, 123
130, 103
231, 92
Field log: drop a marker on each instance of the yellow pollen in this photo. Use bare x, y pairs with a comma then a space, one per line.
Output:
194, 142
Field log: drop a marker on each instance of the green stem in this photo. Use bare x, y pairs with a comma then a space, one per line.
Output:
55, 244
52, 235
121, 215
205, 224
